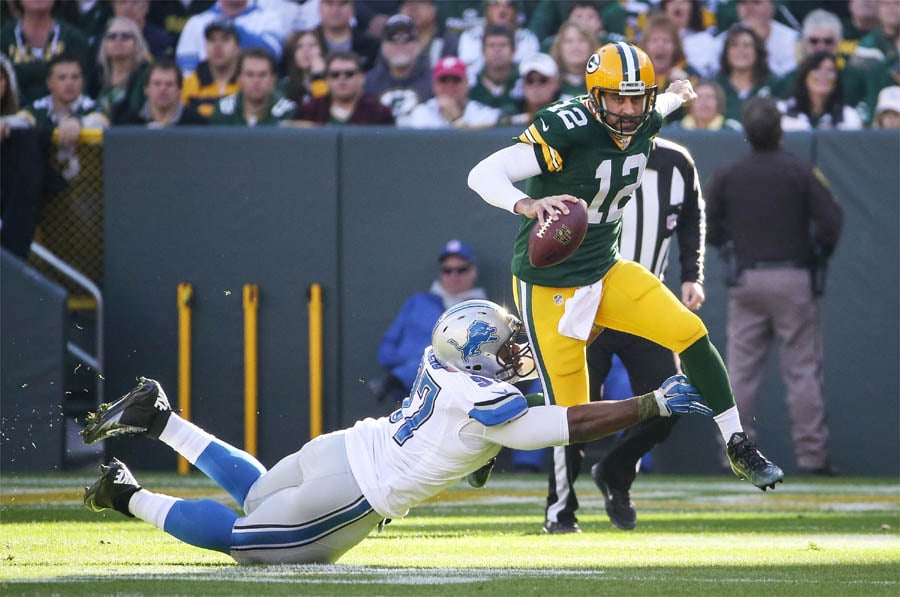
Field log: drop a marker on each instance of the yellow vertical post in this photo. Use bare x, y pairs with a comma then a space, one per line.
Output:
185, 297
251, 361
315, 360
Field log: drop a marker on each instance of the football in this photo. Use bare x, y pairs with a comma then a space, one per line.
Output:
556, 240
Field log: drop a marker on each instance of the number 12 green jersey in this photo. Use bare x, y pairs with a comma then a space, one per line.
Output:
579, 156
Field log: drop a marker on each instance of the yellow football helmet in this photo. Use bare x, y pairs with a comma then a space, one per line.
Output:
623, 69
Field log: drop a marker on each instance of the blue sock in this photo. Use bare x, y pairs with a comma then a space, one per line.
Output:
203, 523
233, 470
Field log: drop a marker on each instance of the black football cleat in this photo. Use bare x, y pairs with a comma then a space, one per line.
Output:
619, 506
112, 490
480, 477
748, 463
142, 411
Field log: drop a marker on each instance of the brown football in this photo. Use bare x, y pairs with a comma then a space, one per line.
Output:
556, 240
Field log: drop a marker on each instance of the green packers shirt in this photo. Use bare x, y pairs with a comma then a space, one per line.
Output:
579, 156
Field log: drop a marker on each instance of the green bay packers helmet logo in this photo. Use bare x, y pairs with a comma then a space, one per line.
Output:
593, 63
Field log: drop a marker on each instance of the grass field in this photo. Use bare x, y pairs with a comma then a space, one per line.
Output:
695, 536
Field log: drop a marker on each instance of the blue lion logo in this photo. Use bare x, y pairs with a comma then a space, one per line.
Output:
479, 332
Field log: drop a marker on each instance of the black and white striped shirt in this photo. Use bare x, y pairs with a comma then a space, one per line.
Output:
669, 197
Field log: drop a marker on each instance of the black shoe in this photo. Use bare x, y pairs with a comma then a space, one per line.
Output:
142, 411
748, 463
619, 506
480, 477
112, 490
560, 528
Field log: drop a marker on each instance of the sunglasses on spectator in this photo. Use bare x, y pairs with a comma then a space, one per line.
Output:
455, 270
123, 35
537, 80
827, 41
342, 74
449, 79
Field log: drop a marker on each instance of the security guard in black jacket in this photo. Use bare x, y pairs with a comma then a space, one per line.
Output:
778, 222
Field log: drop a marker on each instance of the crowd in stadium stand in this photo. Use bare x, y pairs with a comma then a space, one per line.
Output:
464, 64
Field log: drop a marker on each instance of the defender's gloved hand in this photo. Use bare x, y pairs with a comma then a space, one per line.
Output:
677, 396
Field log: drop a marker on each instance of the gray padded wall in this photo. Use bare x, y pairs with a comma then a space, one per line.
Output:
220, 210
32, 351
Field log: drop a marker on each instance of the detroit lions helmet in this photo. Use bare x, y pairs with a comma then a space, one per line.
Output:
623, 69
482, 338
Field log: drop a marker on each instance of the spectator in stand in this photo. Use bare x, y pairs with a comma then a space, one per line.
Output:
887, 110
346, 102
504, 13
372, 15
34, 39
818, 100
173, 16
256, 27
863, 19
744, 71
124, 64
401, 78
700, 47
549, 15
540, 86
159, 42
779, 40
662, 42
707, 111
91, 20
215, 77
433, 40
9, 96
498, 84
66, 109
400, 350
451, 107
822, 32
588, 14
571, 49
163, 107
305, 66
338, 34
257, 103
877, 51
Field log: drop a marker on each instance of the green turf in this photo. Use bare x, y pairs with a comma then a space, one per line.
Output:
696, 536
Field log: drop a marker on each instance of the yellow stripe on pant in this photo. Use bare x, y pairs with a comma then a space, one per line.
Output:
633, 301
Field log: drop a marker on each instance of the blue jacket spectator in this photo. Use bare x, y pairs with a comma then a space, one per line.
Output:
256, 27
401, 347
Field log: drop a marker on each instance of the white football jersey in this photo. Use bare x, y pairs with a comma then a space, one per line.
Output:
402, 459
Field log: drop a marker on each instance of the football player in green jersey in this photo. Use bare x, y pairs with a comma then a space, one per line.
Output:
594, 148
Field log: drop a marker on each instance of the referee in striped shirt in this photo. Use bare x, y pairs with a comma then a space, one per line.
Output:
669, 200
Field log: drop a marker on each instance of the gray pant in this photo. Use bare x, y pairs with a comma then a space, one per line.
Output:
778, 304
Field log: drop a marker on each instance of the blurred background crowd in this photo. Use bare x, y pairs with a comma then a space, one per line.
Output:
466, 64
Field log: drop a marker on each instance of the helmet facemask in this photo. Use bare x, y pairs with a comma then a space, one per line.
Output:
515, 358
597, 105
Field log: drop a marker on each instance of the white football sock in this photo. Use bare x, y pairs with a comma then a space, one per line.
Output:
151, 507
185, 438
729, 422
